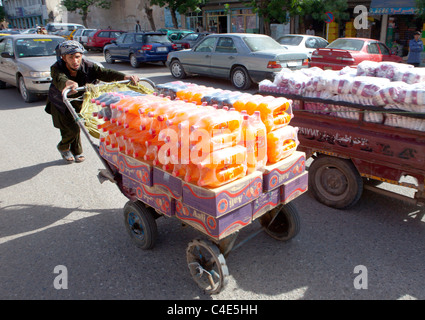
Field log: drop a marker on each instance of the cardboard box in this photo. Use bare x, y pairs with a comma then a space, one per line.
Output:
266, 202
168, 183
135, 169
215, 227
222, 200
108, 153
294, 188
278, 173
151, 196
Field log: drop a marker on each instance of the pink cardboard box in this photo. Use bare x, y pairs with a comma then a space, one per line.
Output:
165, 181
151, 196
266, 202
294, 188
215, 227
108, 153
222, 200
278, 173
135, 169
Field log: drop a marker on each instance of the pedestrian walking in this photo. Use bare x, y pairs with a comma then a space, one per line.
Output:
70, 72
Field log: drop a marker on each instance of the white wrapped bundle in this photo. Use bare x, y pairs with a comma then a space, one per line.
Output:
411, 94
395, 120
341, 84
344, 112
388, 69
367, 68
267, 86
374, 117
321, 81
410, 75
348, 70
368, 86
293, 82
385, 96
355, 99
319, 94
310, 72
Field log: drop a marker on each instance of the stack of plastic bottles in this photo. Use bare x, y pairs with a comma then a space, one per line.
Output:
275, 113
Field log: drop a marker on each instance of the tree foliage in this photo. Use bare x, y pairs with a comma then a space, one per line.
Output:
82, 7
182, 6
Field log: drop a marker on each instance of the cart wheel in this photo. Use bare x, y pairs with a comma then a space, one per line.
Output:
140, 224
281, 223
207, 266
335, 182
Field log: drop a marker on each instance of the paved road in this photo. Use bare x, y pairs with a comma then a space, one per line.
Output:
53, 215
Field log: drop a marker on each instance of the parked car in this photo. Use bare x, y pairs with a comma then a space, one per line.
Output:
101, 38
350, 52
25, 62
138, 47
175, 34
30, 30
81, 35
190, 39
243, 58
55, 27
302, 42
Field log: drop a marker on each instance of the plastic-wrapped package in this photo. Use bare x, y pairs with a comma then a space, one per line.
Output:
389, 94
367, 68
293, 81
388, 69
374, 117
368, 86
348, 71
395, 120
410, 75
341, 84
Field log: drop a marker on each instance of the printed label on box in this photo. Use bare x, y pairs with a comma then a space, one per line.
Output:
218, 228
266, 202
167, 182
224, 199
135, 169
151, 196
277, 174
109, 154
294, 188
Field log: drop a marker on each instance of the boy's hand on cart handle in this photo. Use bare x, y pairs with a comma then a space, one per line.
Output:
134, 79
72, 85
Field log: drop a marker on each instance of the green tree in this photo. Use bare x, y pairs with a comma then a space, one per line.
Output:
282, 10
82, 7
182, 6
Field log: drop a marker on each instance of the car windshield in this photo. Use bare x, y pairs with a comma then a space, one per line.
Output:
261, 43
36, 47
155, 38
190, 36
347, 44
290, 40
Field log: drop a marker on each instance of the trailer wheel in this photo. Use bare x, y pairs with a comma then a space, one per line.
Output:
140, 224
335, 182
207, 266
281, 223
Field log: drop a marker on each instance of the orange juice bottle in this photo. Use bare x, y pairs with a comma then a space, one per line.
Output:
252, 104
275, 113
223, 166
241, 101
279, 143
260, 146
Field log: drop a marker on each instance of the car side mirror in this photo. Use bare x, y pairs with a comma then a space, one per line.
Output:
114, 41
6, 55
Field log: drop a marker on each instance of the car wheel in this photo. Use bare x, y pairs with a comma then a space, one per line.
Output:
27, 95
2, 84
177, 70
133, 61
108, 57
240, 78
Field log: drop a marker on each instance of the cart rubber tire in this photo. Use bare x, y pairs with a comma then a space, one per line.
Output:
140, 224
207, 266
281, 223
335, 182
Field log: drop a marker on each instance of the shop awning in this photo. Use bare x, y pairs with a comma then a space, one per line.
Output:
392, 7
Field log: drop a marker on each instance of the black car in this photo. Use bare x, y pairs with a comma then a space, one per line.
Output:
138, 47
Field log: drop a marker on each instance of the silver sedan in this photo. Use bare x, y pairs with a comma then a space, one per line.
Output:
243, 58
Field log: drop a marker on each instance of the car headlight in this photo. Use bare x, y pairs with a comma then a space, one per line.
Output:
38, 74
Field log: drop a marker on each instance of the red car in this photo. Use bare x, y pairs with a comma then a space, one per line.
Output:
101, 38
350, 52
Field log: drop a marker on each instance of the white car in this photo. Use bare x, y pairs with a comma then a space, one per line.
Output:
302, 43
82, 35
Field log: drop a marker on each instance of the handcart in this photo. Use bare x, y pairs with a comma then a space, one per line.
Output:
218, 214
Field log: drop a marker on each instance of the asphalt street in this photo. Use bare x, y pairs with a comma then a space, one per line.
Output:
62, 233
